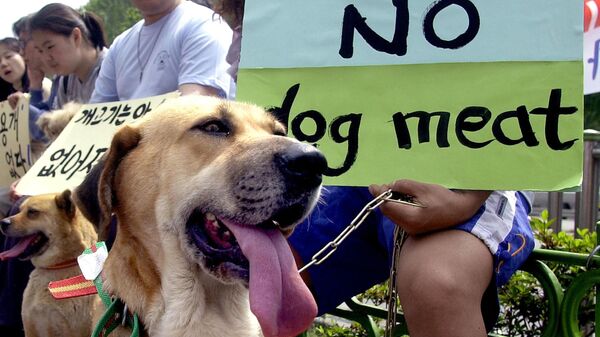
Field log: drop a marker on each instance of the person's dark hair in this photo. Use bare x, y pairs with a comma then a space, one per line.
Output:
21, 25
233, 9
13, 45
61, 19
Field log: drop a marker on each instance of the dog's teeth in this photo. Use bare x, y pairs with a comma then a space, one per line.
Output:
210, 217
226, 235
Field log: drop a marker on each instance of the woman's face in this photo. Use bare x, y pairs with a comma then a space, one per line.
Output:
12, 65
59, 53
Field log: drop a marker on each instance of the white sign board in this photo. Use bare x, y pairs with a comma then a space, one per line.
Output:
82, 143
14, 141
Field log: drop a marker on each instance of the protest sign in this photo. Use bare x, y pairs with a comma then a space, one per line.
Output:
82, 143
468, 94
14, 141
591, 46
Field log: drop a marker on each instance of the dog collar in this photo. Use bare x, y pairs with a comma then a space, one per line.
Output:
62, 265
91, 262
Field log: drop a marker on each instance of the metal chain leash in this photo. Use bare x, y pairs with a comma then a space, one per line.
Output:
390, 323
399, 236
328, 249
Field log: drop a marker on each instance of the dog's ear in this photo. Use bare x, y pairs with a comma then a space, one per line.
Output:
65, 204
126, 139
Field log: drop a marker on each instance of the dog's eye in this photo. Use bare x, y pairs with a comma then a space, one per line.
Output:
215, 127
32, 213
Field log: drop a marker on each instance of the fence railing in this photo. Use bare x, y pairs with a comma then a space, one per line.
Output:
585, 211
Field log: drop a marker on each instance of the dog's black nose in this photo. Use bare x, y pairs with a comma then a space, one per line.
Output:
303, 163
4, 223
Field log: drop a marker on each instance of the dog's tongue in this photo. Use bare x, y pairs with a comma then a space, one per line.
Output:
18, 248
278, 297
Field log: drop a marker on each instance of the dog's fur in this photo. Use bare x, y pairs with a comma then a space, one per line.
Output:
52, 123
193, 154
68, 233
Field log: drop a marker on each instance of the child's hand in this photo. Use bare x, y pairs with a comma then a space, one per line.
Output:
443, 207
36, 78
13, 194
13, 99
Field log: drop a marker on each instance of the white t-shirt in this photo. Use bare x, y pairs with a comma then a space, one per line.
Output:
187, 46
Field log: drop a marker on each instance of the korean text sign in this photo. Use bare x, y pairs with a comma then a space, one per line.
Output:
14, 141
82, 143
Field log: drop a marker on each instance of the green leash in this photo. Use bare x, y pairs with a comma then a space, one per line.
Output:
116, 311
110, 320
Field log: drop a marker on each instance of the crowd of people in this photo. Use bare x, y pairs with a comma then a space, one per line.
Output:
458, 249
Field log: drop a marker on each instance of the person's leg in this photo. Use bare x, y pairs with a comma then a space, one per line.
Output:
441, 279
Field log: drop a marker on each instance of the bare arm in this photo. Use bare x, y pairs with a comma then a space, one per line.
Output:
197, 89
444, 207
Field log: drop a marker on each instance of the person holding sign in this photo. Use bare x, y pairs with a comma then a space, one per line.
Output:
460, 246
179, 45
71, 44
17, 78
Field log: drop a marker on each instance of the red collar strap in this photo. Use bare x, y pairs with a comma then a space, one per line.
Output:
62, 265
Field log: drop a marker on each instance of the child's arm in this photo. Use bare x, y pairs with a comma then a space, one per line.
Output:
443, 207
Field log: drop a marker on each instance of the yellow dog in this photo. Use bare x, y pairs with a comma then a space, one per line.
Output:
204, 191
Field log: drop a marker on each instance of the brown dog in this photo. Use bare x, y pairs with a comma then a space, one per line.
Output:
202, 190
52, 123
53, 233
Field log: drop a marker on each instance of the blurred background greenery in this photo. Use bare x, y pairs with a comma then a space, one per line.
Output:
592, 111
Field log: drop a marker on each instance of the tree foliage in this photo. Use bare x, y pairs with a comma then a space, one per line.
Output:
118, 15
592, 111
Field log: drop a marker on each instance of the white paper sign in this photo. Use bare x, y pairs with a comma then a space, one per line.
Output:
82, 143
14, 141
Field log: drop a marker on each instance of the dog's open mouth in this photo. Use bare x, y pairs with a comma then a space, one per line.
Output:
222, 253
260, 255
27, 247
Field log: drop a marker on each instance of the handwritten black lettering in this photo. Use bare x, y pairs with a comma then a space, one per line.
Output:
118, 117
464, 122
403, 134
552, 113
461, 40
16, 162
87, 116
351, 138
67, 162
116, 114
142, 110
320, 126
3, 128
282, 113
474, 118
527, 133
354, 20
469, 126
